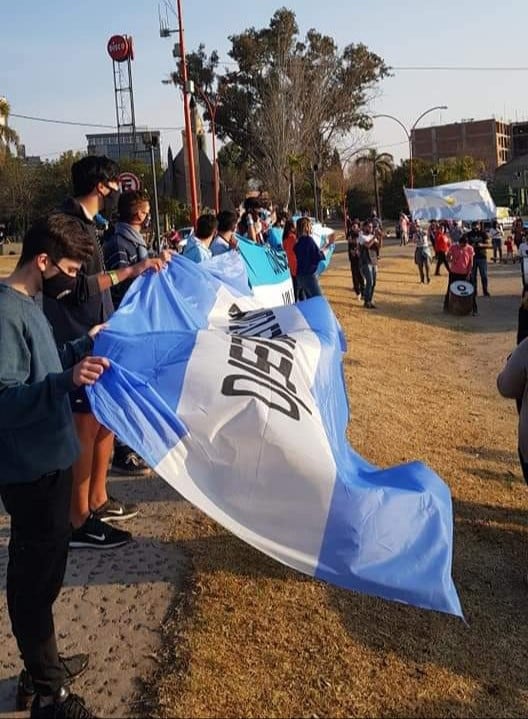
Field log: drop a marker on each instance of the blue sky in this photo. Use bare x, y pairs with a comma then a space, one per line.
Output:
54, 62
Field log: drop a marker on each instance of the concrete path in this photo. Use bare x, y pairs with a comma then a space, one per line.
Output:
112, 605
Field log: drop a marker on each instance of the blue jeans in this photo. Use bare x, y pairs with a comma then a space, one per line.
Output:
369, 272
308, 286
480, 266
497, 249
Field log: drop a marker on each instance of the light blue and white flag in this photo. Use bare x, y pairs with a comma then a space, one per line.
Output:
268, 272
244, 412
468, 200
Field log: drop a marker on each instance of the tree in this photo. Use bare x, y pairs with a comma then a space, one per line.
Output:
288, 97
8, 136
234, 172
382, 166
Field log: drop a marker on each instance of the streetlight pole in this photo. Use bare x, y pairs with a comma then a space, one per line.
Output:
151, 141
409, 135
212, 107
187, 117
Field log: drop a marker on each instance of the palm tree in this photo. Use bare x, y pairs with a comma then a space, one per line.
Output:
7, 135
382, 165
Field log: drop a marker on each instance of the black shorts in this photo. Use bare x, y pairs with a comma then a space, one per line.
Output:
79, 401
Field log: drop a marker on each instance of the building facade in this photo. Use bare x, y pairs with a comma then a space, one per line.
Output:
489, 141
121, 146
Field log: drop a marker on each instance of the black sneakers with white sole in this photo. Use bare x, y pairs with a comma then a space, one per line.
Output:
115, 511
98, 535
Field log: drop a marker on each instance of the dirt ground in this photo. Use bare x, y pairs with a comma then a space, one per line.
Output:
250, 638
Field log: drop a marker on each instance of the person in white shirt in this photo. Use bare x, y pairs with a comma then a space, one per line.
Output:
497, 237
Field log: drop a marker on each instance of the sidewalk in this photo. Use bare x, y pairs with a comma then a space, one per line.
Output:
112, 606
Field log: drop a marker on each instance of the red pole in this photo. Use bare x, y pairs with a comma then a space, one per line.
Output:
187, 117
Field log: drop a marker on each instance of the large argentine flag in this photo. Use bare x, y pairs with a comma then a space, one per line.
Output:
469, 200
268, 272
244, 412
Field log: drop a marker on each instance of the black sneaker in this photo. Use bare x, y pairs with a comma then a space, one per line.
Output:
115, 511
73, 667
99, 535
64, 706
130, 464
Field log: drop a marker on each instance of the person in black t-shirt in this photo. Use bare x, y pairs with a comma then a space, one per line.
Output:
479, 240
358, 281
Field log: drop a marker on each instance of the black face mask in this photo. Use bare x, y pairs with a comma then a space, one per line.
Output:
58, 286
110, 203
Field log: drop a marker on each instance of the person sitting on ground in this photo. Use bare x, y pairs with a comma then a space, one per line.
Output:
225, 239
460, 260
308, 257
198, 247
38, 445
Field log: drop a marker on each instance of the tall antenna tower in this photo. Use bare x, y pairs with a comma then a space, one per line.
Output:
121, 50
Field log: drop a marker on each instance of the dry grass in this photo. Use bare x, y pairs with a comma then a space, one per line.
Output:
250, 638
253, 639
7, 264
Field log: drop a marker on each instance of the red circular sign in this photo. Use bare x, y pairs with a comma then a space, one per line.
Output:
118, 48
129, 182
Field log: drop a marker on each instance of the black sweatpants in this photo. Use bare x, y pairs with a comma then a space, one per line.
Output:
38, 551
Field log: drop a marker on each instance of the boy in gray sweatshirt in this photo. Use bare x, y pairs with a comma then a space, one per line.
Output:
38, 445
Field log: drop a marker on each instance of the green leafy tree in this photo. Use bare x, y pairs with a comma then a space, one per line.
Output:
382, 167
289, 97
235, 172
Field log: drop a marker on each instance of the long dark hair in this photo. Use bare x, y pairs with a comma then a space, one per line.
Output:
289, 226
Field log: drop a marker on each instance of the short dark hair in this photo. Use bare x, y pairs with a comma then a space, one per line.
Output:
90, 170
205, 226
227, 221
59, 236
252, 204
129, 202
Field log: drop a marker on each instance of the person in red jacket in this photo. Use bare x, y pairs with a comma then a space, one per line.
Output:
288, 243
442, 245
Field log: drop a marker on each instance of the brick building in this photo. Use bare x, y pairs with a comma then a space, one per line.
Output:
487, 140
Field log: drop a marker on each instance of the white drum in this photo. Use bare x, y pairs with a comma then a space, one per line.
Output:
460, 297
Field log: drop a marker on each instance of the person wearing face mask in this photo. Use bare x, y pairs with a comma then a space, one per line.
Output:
125, 247
225, 239
72, 306
38, 445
